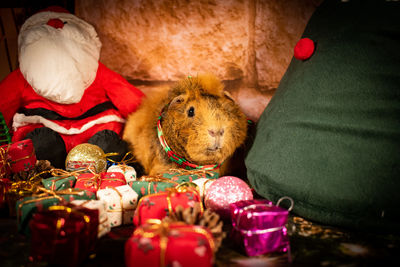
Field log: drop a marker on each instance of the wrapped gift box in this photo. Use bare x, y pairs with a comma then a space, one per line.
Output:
128, 171
259, 226
146, 185
27, 206
59, 182
159, 205
176, 244
16, 157
94, 181
121, 203
183, 175
101, 207
203, 185
63, 235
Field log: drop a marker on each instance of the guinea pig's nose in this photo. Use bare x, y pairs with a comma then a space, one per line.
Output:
215, 133
55, 23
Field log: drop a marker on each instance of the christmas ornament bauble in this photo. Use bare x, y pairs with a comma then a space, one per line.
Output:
128, 171
86, 156
224, 191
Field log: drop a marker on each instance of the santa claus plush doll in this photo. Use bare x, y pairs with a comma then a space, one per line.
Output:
61, 95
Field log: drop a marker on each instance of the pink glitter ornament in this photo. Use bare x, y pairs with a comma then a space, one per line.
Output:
224, 191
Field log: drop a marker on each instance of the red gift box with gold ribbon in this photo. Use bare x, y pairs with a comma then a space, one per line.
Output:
160, 244
63, 235
159, 205
16, 157
95, 181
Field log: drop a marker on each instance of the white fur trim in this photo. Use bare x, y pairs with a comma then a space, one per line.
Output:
20, 120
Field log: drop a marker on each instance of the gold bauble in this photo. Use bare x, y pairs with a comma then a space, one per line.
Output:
86, 156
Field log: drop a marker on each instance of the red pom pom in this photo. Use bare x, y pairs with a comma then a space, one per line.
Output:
304, 49
55, 23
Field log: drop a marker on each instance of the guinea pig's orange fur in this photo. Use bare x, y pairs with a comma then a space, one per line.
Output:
199, 122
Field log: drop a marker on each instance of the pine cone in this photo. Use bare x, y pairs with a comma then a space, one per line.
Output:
193, 216
41, 167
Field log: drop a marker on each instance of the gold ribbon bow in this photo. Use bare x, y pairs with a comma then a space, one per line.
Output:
41, 193
200, 172
156, 227
96, 179
128, 158
62, 174
180, 188
4, 163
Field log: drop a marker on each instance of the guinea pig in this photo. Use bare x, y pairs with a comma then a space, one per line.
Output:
194, 124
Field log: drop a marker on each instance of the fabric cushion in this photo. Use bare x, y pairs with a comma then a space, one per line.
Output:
330, 137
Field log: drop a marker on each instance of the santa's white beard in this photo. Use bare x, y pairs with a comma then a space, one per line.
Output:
58, 63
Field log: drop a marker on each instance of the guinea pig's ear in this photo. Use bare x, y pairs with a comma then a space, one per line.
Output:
176, 100
229, 96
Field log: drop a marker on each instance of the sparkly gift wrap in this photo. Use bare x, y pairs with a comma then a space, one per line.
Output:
146, 185
101, 206
224, 191
121, 203
128, 171
183, 175
27, 206
63, 235
259, 226
18, 156
159, 205
96, 181
86, 156
176, 244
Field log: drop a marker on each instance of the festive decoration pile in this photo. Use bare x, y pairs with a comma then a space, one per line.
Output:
167, 211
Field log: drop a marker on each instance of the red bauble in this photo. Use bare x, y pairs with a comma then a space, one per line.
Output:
304, 49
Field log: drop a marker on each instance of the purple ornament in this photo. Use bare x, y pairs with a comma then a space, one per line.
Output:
224, 191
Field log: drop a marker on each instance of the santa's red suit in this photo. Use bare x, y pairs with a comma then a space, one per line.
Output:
61, 84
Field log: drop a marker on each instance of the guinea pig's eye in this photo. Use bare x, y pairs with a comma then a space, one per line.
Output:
190, 112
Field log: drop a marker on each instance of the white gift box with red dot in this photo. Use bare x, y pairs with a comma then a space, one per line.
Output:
121, 202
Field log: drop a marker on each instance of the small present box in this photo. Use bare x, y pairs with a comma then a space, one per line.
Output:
101, 206
128, 171
183, 175
259, 226
121, 203
59, 183
94, 181
61, 179
19, 190
157, 243
16, 157
160, 205
27, 206
146, 185
63, 235
203, 185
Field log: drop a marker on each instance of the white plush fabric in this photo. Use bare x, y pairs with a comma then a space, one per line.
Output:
58, 63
